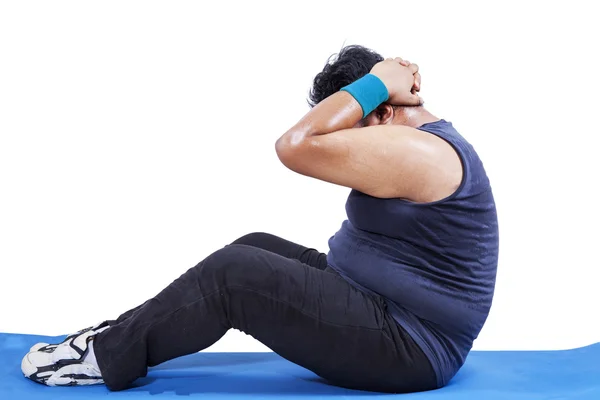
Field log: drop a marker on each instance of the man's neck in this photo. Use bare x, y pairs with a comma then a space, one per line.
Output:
413, 116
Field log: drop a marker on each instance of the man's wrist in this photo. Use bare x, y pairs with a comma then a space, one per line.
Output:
369, 91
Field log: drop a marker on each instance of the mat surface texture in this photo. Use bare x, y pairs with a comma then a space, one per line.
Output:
506, 375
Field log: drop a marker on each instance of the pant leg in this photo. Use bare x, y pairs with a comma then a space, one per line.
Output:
310, 317
270, 243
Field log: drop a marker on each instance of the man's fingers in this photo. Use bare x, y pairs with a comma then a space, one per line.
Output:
415, 100
414, 68
417, 84
402, 62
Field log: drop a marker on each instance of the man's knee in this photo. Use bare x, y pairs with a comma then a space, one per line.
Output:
233, 265
255, 239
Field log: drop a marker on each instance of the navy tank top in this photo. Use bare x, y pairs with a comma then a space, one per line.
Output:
434, 263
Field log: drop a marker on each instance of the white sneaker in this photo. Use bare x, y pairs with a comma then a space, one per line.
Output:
64, 364
49, 348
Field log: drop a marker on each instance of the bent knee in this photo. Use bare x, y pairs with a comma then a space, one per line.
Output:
255, 239
234, 265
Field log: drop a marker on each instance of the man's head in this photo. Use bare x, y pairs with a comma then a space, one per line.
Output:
351, 63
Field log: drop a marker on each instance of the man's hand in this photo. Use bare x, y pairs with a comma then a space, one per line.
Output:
402, 79
417, 86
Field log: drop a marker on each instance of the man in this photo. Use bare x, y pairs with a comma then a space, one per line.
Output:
403, 292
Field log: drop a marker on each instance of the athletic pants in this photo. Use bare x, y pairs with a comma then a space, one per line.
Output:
285, 296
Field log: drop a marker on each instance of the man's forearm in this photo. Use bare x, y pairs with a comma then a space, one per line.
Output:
338, 111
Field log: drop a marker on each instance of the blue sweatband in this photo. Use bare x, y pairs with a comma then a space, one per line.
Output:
369, 91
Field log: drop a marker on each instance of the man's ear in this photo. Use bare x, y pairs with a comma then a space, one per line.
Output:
385, 114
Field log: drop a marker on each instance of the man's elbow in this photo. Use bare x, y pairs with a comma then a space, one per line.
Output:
290, 149
281, 147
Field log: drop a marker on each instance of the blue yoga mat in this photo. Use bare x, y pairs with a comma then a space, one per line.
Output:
505, 375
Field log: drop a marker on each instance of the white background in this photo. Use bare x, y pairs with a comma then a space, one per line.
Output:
137, 137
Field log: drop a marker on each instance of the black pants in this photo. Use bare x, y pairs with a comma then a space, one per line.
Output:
285, 296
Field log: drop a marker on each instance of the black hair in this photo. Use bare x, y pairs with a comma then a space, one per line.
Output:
351, 63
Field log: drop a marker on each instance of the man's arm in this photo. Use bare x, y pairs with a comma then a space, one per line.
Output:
386, 161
